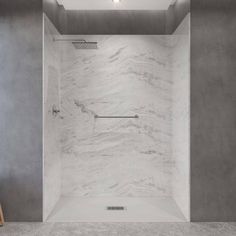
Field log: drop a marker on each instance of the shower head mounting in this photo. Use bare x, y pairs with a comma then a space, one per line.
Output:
85, 45
78, 43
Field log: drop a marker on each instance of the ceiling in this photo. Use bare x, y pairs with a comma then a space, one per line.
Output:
110, 5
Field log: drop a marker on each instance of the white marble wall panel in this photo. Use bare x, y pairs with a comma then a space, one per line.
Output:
127, 75
51, 133
180, 57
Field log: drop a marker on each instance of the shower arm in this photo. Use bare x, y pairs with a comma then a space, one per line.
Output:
69, 40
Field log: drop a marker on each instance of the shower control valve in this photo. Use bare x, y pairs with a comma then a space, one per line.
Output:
55, 111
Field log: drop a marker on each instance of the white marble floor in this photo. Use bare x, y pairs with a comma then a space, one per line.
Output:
77, 209
118, 229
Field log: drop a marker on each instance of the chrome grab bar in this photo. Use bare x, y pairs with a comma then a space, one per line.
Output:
114, 117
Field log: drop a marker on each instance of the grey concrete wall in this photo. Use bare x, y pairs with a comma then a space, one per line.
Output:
175, 14
21, 109
213, 110
105, 22
114, 22
55, 13
117, 22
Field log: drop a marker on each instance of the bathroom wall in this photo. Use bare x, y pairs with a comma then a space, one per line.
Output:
21, 109
117, 22
55, 13
176, 14
105, 22
51, 126
127, 75
213, 110
112, 22
180, 59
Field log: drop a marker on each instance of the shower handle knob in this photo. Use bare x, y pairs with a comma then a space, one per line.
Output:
55, 111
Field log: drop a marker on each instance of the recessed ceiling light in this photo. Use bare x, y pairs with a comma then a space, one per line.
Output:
116, 1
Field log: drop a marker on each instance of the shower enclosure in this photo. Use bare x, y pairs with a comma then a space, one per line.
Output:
116, 127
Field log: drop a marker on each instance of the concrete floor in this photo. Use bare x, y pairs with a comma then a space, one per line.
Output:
118, 229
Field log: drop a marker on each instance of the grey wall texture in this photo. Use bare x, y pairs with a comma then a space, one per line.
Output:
21, 109
116, 22
175, 14
55, 13
213, 110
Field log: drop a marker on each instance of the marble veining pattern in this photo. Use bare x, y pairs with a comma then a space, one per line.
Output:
127, 75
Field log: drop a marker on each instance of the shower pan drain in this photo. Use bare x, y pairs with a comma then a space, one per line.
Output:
116, 208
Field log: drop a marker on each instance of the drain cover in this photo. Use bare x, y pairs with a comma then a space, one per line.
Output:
116, 208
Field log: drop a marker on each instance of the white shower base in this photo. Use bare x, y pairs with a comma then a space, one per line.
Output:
76, 209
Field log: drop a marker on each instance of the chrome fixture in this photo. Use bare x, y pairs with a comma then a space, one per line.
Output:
116, 208
78, 43
55, 110
114, 117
